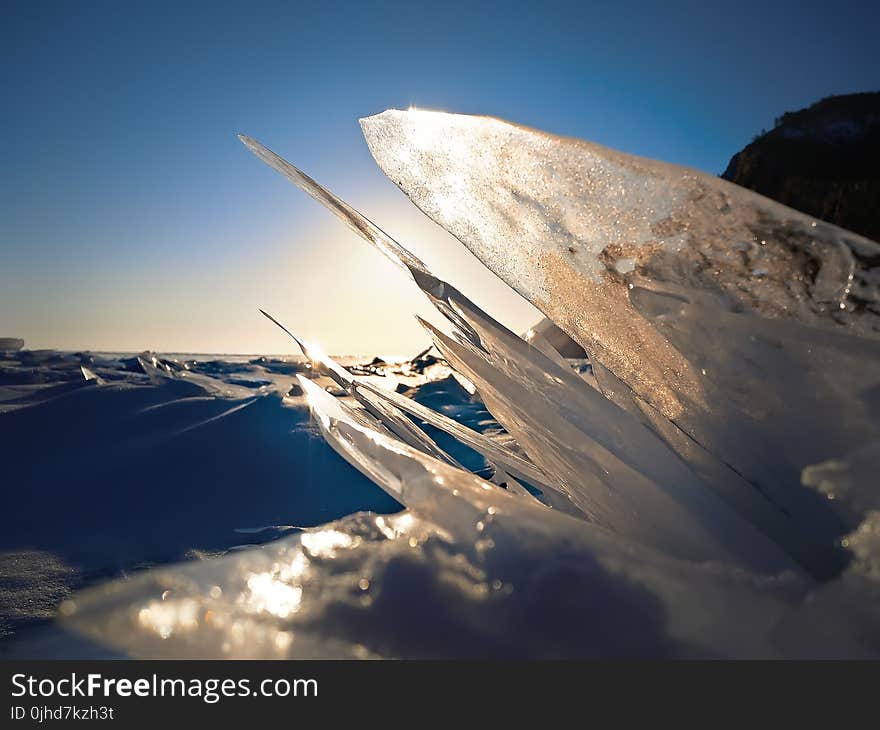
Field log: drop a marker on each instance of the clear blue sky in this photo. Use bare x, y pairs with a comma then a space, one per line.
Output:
131, 217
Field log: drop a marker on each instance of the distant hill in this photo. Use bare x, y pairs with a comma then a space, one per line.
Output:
823, 160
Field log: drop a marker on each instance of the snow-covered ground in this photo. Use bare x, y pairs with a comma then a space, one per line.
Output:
116, 463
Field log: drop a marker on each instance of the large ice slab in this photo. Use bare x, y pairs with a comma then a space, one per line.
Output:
569, 224
751, 328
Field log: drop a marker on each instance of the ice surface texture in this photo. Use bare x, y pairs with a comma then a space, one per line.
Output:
714, 496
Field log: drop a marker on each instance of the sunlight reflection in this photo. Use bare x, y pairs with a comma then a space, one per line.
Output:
325, 543
166, 617
395, 526
316, 353
267, 593
296, 568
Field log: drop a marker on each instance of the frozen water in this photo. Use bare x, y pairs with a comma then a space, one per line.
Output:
467, 570
711, 493
763, 373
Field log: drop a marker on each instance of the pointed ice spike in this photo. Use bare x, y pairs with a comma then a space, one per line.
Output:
90, 375
352, 218
496, 454
349, 436
438, 293
400, 425
302, 346
386, 414
340, 375
332, 407
436, 289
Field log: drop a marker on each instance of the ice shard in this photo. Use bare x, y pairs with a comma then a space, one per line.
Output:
750, 327
354, 220
385, 414
384, 407
602, 462
493, 452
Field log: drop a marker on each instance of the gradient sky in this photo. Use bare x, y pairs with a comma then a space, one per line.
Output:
132, 218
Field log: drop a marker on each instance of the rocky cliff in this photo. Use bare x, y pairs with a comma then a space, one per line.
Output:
823, 160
